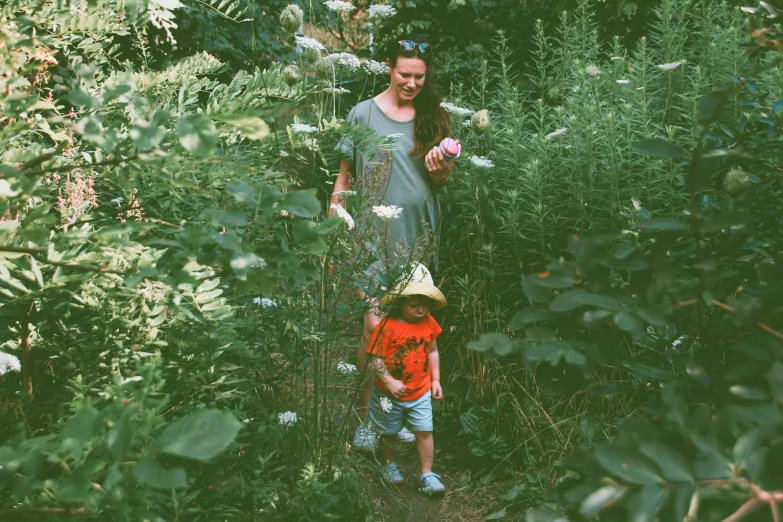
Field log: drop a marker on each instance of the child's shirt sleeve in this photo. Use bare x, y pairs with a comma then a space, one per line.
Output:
434, 327
379, 338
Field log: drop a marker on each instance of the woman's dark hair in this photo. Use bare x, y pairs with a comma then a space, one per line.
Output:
432, 122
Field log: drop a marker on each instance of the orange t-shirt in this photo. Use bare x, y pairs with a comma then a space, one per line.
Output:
406, 348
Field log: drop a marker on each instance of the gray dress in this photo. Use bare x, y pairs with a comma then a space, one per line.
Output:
396, 178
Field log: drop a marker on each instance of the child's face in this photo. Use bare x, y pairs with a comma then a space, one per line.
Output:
415, 309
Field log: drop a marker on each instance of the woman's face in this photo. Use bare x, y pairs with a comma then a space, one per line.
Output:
407, 77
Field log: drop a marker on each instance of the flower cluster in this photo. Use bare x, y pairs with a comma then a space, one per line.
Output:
669, 66
373, 67
386, 404
336, 90
450, 107
387, 212
302, 127
340, 6
341, 212
291, 75
9, 363
287, 418
480, 122
622, 82
265, 302
345, 61
381, 11
312, 49
345, 368
593, 71
558, 132
291, 18
481, 161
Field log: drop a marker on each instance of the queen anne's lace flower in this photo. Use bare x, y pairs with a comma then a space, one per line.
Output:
345, 61
287, 418
291, 18
558, 132
9, 363
622, 82
450, 107
615, 58
480, 122
381, 11
373, 67
386, 404
669, 66
345, 368
343, 214
302, 127
340, 6
481, 161
387, 212
593, 71
118, 200
264, 302
336, 90
306, 42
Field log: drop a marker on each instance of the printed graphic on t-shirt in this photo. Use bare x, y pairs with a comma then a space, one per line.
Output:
409, 354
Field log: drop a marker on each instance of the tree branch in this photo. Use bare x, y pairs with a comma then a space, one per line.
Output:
40, 255
744, 510
768, 329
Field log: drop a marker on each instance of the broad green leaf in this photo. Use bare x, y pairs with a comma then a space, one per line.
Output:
300, 203
526, 317
649, 373
661, 224
697, 372
200, 435
671, 464
146, 135
251, 126
575, 298
493, 345
708, 108
600, 499
197, 134
536, 292
121, 435
152, 474
471, 424
660, 148
627, 464
80, 427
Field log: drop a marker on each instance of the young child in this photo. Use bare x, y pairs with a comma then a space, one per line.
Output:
406, 364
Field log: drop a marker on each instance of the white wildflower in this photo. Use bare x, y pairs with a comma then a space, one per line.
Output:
386, 404
337, 475
287, 418
678, 341
345, 368
302, 127
340, 6
118, 200
336, 90
9, 363
669, 66
466, 123
135, 378
343, 214
637, 205
615, 58
344, 193
387, 212
284, 154
622, 82
267, 303
450, 107
558, 132
306, 42
381, 11
481, 161
345, 61
592, 71
576, 88
310, 143
373, 67
640, 88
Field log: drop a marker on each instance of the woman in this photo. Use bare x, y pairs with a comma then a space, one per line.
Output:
410, 109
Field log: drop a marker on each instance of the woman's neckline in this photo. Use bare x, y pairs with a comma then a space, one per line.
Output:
372, 100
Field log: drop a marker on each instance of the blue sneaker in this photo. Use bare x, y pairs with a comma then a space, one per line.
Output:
391, 474
364, 439
430, 484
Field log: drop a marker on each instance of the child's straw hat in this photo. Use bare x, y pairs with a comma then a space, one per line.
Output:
417, 282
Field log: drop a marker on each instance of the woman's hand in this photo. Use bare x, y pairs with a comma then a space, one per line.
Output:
437, 167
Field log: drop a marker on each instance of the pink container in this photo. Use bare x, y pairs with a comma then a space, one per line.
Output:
451, 149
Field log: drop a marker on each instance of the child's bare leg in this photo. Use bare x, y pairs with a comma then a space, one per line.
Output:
425, 445
371, 320
387, 447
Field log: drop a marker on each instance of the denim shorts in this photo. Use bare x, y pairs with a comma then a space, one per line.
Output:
416, 414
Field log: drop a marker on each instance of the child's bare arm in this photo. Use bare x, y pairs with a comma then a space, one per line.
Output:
434, 363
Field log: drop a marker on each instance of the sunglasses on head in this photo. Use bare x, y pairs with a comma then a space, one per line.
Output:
409, 46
